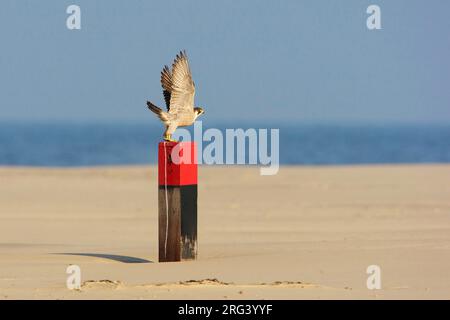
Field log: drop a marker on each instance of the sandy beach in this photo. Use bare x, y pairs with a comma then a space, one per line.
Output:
306, 233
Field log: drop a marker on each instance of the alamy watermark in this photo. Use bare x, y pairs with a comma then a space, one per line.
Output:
73, 281
233, 147
73, 21
373, 22
374, 279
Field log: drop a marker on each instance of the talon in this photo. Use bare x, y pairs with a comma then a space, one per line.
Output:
168, 137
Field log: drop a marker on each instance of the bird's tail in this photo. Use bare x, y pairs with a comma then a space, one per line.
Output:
164, 116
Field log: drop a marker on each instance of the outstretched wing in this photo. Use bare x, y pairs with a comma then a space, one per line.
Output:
166, 82
183, 88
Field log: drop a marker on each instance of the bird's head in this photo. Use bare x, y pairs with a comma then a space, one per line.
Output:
198, 111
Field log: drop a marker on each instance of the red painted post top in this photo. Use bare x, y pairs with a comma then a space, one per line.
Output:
179, 161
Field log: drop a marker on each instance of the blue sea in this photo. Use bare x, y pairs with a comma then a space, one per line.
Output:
68, 145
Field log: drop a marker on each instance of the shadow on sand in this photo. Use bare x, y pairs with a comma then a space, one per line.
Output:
124, 259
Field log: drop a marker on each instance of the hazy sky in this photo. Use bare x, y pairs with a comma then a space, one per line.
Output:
251, 60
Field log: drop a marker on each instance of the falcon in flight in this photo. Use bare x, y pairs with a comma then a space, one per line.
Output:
179, 91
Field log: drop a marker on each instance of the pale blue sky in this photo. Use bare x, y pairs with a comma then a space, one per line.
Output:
251, 60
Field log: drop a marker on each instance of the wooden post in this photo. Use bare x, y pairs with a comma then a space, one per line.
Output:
177, 201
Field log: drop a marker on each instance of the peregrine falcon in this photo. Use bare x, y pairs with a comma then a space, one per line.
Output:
179, 91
